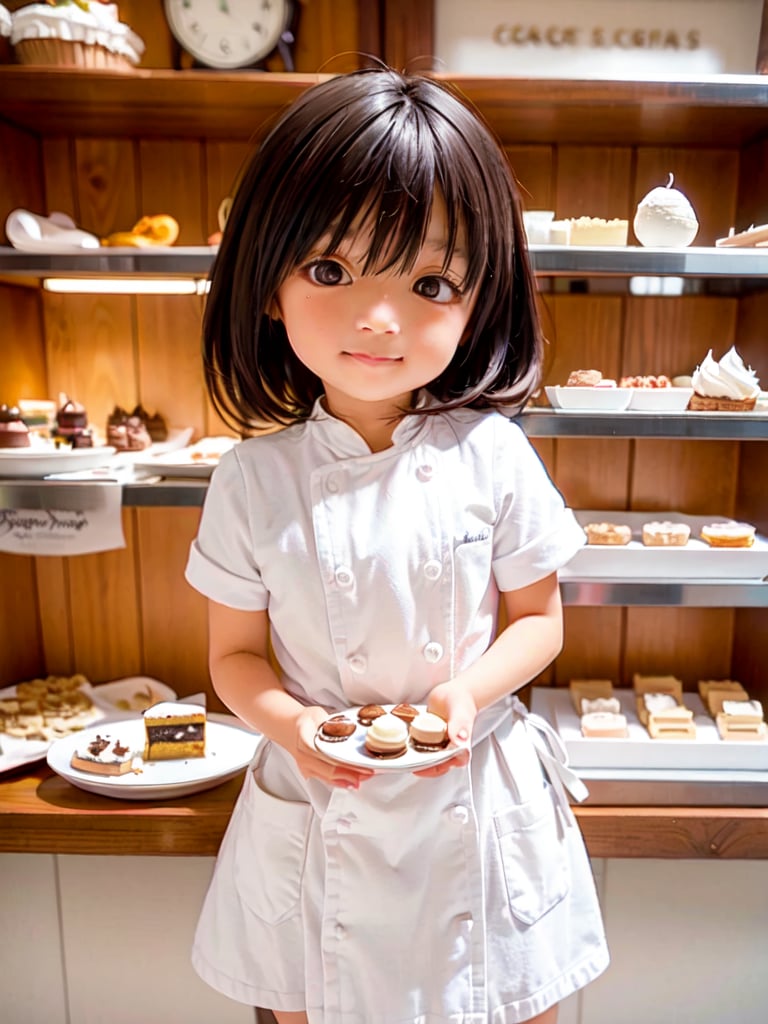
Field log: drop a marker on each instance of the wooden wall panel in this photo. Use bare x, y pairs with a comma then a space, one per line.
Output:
751, 333
171, 182
223, 163
23, 366
169, 360
106, 614
752, 206
107, 185
593, 645
52, 575
593, 181
594, 473
587, 332
174, 616
21, 172
533, 168
91, 351
20, 648
693, 477
708, 177
691, 643
672, 335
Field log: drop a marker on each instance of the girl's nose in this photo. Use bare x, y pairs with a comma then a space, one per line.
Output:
379, 318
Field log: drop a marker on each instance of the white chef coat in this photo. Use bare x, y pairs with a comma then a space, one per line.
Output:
467, 898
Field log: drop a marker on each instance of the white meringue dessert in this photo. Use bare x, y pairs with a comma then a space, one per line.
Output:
665, 218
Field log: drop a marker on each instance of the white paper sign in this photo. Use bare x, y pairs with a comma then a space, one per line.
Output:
60, 519
603, 39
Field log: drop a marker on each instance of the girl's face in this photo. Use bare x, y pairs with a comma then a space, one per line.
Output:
374, 339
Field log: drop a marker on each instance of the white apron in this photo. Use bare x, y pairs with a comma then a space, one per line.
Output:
466, 898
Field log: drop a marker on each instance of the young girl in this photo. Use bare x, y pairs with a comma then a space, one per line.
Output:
372, 295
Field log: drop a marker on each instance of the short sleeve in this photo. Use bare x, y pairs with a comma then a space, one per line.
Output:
221, 563
535, 533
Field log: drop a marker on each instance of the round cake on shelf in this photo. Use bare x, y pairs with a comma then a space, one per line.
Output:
83, 34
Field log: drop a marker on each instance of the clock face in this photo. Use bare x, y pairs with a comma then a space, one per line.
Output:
227, 33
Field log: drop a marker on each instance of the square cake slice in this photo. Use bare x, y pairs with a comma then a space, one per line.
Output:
173, 731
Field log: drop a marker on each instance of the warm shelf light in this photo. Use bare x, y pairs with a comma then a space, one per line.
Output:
126, 285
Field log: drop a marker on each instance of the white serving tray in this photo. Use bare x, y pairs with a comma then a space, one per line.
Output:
697, 560
638, 751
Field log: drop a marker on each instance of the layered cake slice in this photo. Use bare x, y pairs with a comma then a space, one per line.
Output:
173, 731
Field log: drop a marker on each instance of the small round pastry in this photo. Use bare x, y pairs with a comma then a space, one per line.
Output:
405, 712
583, 378
336, 729
608, 533
14, 433
369, 712
386, 737
728, 535
428, 732
666, 534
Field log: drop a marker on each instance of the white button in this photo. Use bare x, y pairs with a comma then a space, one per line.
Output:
340, 931
343, 576
460, 814
424, 473
332, 484
433, 652
358, 664
432, 569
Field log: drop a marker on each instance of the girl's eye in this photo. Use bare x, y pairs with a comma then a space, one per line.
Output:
436, 289
327, 273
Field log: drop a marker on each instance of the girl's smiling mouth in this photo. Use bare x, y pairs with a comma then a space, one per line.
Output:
371, 360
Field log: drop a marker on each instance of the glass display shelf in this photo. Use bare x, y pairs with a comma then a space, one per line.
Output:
548, 261
701, 426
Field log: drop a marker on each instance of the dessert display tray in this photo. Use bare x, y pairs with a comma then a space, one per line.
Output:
638, 750
27, 463
696, 560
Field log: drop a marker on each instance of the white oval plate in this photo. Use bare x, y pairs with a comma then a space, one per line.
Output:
352, 750
29, 463
585, 399
229, 747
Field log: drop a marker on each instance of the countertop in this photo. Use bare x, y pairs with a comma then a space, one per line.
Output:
42, 813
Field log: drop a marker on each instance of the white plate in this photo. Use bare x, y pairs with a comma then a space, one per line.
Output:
29, 463
15, 752
198, 460
577, 399
352, 751
228, 749
659, 399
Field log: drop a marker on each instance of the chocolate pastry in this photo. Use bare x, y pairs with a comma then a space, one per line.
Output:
405, 712
336, 729
127, 432
369, 713
155, 424
14, 432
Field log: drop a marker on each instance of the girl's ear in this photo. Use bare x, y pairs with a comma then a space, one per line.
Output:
273, 310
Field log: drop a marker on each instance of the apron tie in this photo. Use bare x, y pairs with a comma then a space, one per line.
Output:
553, 756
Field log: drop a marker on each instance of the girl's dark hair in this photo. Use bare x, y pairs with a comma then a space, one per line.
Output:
378, 144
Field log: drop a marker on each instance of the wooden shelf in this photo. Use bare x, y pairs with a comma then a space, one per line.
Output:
42, 813
722, 110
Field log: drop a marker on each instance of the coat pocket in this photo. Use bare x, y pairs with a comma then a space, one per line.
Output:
269, 852
533, 856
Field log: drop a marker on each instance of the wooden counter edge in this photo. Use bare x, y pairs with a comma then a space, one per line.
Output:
42, 813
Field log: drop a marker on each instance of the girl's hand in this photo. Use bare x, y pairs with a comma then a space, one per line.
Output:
311, 762
455, 704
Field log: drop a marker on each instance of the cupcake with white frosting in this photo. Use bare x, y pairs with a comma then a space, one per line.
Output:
5, 35
75, 33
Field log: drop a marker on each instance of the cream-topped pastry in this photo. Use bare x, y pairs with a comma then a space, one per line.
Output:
428, 732
727, 383
91, 35
387, 736
104, 755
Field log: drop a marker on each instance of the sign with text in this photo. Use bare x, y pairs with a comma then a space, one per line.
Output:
619, 39
73, 519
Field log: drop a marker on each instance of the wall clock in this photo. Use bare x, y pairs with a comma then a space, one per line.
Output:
226, 34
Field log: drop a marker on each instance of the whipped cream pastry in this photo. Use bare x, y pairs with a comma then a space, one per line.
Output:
728, 378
